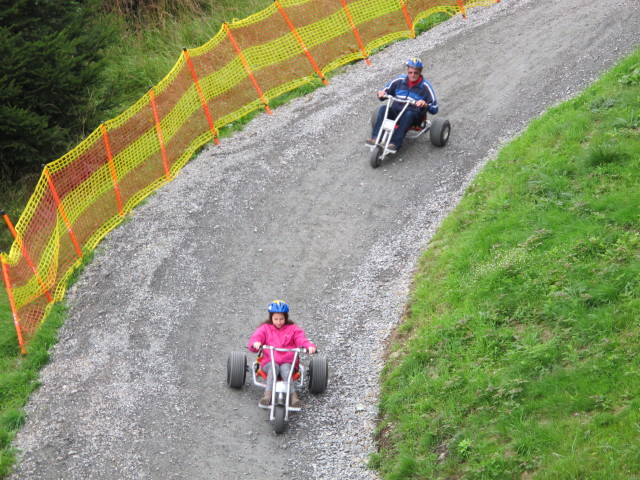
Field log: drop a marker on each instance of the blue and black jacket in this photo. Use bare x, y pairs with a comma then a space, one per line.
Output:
399, 87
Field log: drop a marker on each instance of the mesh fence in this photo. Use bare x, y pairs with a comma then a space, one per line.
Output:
86, 193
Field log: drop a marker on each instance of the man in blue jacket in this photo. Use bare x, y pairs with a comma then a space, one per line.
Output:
412, 85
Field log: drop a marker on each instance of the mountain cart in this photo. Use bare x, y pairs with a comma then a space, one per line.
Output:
439, 130
279, 409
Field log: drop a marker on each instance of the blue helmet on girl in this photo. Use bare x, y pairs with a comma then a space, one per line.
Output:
415, 62
278, 306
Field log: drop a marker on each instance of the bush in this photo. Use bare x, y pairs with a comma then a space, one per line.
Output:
52, 58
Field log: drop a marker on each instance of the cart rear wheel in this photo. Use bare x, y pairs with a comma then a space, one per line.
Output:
236, 369
318, 374
376, 153
440, 131
279, 413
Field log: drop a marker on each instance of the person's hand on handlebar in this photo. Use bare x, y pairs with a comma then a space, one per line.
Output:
311, 350
257, 345
421, 103
382, 94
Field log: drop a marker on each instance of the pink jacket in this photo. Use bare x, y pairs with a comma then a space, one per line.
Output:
289, 336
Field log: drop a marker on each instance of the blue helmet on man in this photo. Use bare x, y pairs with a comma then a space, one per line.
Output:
415, 62
278, 306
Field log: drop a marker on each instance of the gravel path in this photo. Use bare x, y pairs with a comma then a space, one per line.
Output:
289, 208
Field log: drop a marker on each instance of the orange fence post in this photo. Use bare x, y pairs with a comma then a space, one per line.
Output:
159, 131
246, 66
299, 39
18, 239
212, 127
355, 31
112, 167
63, 214
462, 9
407, 18
14, 311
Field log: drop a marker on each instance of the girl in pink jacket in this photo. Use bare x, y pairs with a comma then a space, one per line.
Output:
279, 331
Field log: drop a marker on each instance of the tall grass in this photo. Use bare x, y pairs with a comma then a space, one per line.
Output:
151, 41
518, 357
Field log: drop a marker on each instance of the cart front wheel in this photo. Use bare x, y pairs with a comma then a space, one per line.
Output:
376, 153
318, 374
236, 369
279, 413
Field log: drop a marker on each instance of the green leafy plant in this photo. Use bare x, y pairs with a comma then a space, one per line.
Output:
631, 122
465, 447
632, 78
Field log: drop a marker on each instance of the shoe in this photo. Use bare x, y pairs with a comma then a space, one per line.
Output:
295, 400
392, 148
370, 141
265, 401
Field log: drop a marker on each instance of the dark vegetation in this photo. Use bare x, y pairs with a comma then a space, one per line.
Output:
53, 59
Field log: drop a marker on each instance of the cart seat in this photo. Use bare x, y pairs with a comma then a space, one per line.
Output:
295, 377
420, 126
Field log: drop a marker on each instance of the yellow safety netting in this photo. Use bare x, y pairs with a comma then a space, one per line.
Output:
86, 193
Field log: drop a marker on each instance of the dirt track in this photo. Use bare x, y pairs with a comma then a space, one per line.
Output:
289, 208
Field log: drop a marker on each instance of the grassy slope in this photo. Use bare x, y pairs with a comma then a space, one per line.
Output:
518, 357
19, 375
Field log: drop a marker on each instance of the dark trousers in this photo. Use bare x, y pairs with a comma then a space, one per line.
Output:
409, 118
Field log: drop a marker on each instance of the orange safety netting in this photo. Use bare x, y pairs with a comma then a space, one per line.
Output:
86, 193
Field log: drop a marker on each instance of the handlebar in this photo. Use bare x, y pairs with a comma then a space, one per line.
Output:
278, 349
408, 100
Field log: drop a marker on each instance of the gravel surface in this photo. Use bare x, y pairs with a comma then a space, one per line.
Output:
290, 208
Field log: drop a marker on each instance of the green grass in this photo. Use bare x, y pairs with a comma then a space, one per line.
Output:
518, 356
431, 21
149, 47
19, 375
